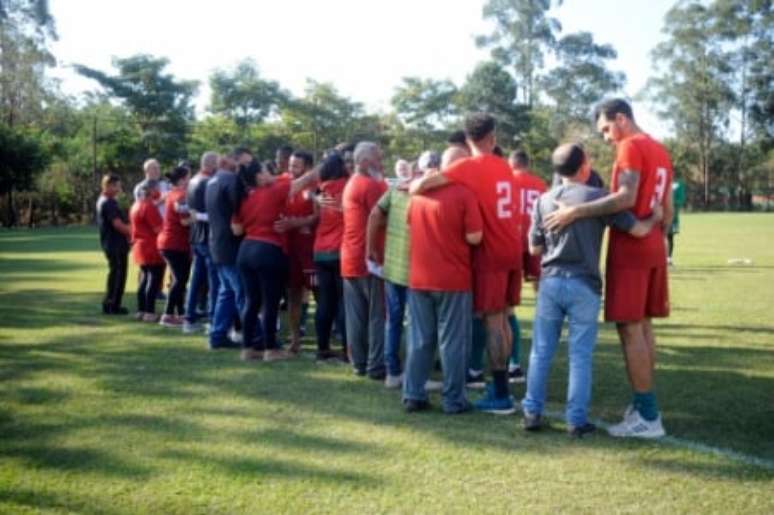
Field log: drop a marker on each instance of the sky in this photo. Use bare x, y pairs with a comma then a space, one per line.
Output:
363, 47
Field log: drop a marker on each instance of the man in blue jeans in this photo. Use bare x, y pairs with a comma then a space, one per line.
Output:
202, 269
570, 286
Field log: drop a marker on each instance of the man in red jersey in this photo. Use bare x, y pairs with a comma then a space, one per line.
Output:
636, 287
497, 262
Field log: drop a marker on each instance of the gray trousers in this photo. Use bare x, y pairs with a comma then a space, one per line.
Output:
364, 321
443, 319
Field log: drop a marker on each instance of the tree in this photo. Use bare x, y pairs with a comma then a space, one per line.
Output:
523, 34
491, 89
160, 105
22, 158
425, 104
243, 96
692, 89
580, 79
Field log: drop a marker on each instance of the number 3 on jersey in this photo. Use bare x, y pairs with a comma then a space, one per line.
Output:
658, 191
504, 199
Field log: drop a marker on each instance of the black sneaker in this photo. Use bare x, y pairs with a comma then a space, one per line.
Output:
377, 376
515, 375
327, 356
475, 381
533, 422
413, 406
225, 344
581, 431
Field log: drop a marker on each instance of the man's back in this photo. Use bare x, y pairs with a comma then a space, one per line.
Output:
195, 198
222, 197
360, 195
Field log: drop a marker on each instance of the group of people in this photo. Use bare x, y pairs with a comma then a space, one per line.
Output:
443, 248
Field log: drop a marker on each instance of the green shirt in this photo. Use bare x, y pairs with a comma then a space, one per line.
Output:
678, 202
394, 204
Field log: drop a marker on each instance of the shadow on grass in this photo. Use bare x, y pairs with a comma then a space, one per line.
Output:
37, 500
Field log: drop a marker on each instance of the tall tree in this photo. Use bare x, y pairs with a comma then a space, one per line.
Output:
425, 104
22, 157
522, 36
242, 95
580, 79
692, 88
161, 105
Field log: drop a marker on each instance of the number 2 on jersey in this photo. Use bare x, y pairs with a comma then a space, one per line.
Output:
504, 199
658, 191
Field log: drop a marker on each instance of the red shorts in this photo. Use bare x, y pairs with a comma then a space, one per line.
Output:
531, 266
300, 262
633, 294
496, 291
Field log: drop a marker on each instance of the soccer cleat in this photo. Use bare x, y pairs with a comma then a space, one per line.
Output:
515, 375
392, 382
495, 405
634, 426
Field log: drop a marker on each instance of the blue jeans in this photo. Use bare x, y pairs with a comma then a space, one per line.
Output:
560, 298
445, 319
231, 300
396, 308
203, 269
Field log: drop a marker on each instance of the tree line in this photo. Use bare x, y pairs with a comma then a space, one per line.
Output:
713, 84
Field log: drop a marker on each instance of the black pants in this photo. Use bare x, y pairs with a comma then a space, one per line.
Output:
330, 302
671, 242
148, 289
263, 268
116, 279
180, 264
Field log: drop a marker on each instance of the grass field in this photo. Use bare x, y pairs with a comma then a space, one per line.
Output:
105, 415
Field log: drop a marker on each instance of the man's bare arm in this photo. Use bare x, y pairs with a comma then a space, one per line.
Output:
535, 250
376, 220
624, 198
304, 181
428, 182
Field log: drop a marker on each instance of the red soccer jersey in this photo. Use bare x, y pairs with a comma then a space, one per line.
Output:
174, 235
530, 187
330, 228
146, 224
649, 158
261, 208
360, 195
491, 179
440, 257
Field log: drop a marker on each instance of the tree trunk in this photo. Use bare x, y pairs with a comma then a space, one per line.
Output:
11, 209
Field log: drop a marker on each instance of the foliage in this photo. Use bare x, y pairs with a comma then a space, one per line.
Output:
425, 104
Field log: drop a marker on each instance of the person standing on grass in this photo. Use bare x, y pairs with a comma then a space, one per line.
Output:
363, 292
570, 288
636, 286
114, 235
146, 225
497, 261
678, 201
174, 245
443, 223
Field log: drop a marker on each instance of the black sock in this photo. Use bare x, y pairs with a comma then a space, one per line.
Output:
500, 378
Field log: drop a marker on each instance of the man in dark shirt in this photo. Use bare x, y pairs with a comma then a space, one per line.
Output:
203, 268
570, 286
223, 195
114, 235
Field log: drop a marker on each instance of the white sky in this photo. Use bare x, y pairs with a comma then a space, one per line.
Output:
364, 47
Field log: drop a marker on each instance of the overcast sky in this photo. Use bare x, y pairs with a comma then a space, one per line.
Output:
363, 47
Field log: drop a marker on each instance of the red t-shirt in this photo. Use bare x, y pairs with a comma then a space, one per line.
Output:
439, 255
491, 179
330, 228
645, 155
530, 187
174, 235
360, 195
261, 208
146, 224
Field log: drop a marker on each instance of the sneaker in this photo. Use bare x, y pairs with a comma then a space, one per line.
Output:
225, 344
515, 375
270, 355
392, 382
150, 318
377, 376
251, 355
433, 386
581, 431
532, 421
170, 321
190, 327
634, 426
328, 356
475, 380
235, 336
495, 405
138, 316
360, 372
413, 406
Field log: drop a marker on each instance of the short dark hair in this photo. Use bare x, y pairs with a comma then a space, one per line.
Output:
238, 151
109, 179
478, 126
568, 159
247, 172
332, 168
498, 151
177, 174
521, 157
285, 150
612, 107
456, 138
269, 166
305, 156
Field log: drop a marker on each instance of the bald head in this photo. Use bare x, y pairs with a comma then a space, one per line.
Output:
452, 154
209, 161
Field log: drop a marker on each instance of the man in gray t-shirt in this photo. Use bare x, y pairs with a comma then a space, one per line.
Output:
570, 286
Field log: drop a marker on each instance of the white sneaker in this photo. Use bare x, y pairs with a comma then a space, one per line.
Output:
235, 336
634, 426
189, 328
393, 382
433, 386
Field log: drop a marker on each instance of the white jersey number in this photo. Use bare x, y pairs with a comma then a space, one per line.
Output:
504, 200
528, 198
658, 192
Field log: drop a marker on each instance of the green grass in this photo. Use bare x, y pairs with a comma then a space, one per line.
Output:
105, 415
